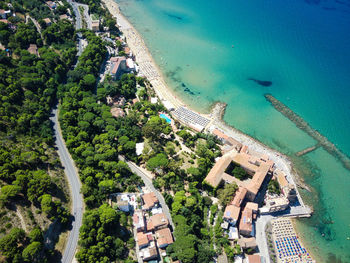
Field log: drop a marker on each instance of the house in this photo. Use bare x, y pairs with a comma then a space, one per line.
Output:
254, 259
246, 227
123, 203
64, 16
157, 222
47, 21
4, 21
139, 221
143, 239
150, 200
231, 214
117, 112
118, 66
95, 26
233, 233
33, 49
5, 13
51, 4
164, 237
149, 253
246, 243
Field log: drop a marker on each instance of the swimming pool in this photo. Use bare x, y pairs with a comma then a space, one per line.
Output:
166, 118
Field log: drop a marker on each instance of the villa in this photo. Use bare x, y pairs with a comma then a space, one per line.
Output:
164, 237
157, 222
118, 66
150, 200
143, 239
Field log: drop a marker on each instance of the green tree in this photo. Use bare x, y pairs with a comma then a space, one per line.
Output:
7, 192
226, 195
159, 161
32, 253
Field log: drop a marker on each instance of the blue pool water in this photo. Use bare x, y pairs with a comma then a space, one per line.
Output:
227, 50
166, 118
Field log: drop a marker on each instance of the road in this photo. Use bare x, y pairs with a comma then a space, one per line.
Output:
148, 182
75, 185
70, 169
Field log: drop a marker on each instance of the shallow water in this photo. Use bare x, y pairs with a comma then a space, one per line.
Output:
236, 51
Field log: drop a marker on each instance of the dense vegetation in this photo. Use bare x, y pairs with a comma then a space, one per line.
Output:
38, 8
94, 139
33, 191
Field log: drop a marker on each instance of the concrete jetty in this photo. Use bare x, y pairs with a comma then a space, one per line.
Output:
307, 150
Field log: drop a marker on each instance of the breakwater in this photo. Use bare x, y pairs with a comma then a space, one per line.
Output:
304, 126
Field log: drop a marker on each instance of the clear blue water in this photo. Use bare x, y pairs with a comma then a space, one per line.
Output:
214, 50
166, 118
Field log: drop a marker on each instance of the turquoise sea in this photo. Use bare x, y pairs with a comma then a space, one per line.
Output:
219, 50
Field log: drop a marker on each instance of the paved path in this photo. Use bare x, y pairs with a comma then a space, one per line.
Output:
148, 182
75, 185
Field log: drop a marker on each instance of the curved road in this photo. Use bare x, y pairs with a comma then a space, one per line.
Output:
75, 185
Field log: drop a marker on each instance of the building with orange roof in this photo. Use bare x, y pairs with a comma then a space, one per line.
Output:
231, 214
246, 227
51, 4
239, 196
252, 206
150, 200
143, 239
118, 66
157, 221
287, 189
214, 177
164, 237
47, 21
254, 259
227, 140
255, 164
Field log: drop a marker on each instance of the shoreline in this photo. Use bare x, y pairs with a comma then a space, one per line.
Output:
152, 72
